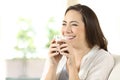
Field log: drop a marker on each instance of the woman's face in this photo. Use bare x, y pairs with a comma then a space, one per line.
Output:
73, 28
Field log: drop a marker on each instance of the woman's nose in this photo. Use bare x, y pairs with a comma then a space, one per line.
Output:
68, 29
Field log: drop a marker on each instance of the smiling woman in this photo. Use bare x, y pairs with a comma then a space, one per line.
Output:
38, 12
83, 52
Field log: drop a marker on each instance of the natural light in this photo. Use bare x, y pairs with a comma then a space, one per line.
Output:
38, 14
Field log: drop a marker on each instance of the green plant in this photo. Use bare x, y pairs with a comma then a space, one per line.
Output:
25, 39
25, 43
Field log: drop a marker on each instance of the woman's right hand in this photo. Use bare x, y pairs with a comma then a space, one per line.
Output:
54, 53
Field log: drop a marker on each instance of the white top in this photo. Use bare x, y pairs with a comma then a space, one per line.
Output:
96, 65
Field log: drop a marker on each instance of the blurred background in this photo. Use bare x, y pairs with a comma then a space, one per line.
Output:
27, 26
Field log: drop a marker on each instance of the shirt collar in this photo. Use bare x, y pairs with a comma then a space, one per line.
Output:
89, 54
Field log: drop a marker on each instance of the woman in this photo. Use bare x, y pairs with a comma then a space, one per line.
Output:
83, 54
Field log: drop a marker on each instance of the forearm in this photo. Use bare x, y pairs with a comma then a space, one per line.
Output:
73, 74
51, 75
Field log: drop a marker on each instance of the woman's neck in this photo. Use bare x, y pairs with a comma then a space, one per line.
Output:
81, 51
79, 54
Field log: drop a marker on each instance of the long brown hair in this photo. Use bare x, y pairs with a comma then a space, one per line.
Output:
94, 34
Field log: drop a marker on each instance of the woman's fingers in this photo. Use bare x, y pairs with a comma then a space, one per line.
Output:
64, 50
53, 54
53, 48
54, 45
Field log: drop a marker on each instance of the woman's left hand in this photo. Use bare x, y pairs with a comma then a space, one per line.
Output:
67, 50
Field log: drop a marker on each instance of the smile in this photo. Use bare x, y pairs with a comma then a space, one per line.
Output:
69, 37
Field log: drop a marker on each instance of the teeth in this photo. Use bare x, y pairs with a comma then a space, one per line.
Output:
69, 37
59, 37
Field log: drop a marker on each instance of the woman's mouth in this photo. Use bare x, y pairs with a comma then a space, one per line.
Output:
69, 37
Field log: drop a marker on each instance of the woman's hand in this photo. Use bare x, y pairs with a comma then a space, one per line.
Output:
54, 53
67, 50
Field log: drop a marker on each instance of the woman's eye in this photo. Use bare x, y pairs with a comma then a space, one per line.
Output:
63, 24
74, 25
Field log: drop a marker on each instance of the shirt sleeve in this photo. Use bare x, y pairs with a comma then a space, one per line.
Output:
102, 69
45, 70
59, 69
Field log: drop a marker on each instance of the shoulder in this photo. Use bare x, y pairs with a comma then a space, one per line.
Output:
104, 56
98, 56
101, 66
103, 61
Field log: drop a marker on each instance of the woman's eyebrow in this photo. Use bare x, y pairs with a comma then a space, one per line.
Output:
64, 21
70, 21
74, 22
